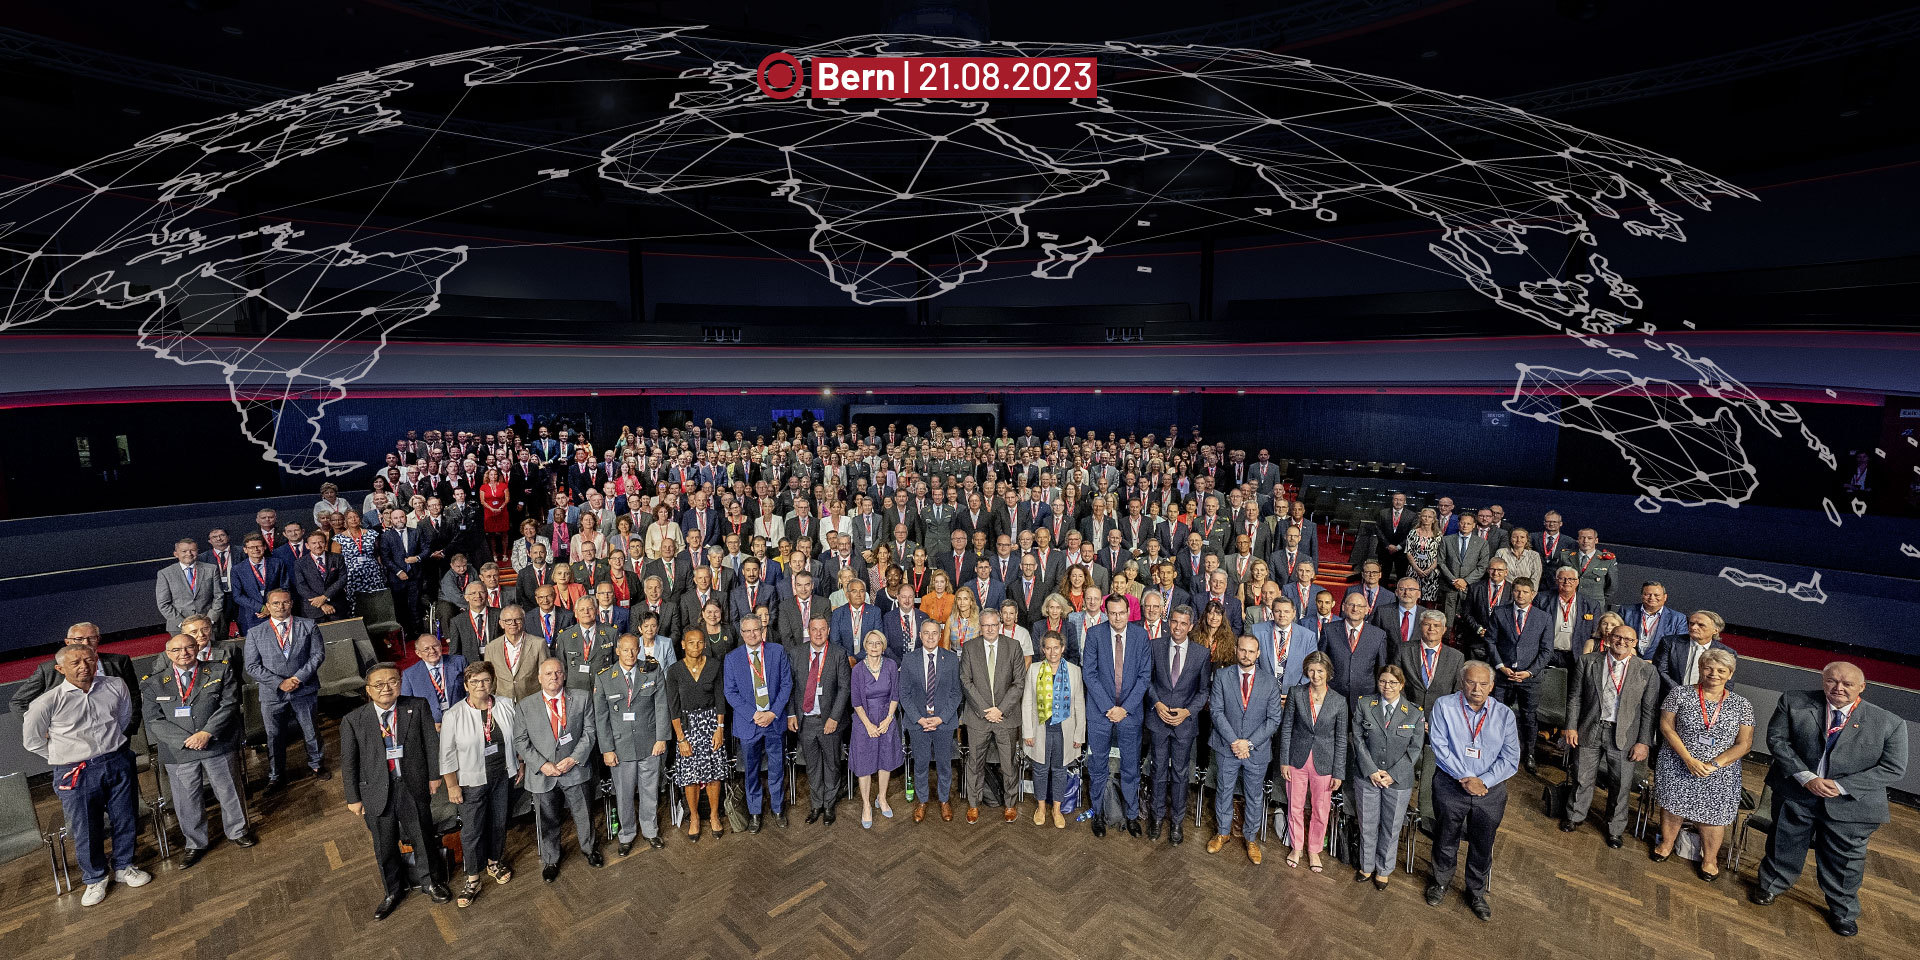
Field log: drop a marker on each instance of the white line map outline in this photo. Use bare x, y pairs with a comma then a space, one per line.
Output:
1325, 149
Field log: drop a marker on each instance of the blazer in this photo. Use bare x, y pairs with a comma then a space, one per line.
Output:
1446, 672
234, 556
1470, 565
1393, 745
268, 666
310, 581
682, 575
1229, 604
1483, 599
836, 683
536, 624
1669, 622
461, 639
533, 739
463, 741
1301, 644
1256, 722
415, 682
764, 595
177, 601
737, 682
1009, 679
1188, 691
1073, 729
1529, 648
394, 549
1387, 617
512, 685
1869, 755
1303, 605
525, 583
946, 690
629, 722
213, 706
363, 753
249, 592
582, 664
1670, 658
1635, 717
1096, 649
1324, 740
1354, 668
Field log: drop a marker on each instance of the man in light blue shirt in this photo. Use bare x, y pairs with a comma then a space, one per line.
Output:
1476, 748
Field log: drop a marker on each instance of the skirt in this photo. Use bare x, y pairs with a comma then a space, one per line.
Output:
706, 765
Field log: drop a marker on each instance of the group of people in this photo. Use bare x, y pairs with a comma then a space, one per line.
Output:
685, 599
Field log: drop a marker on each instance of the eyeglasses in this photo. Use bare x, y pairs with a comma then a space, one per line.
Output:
383, 684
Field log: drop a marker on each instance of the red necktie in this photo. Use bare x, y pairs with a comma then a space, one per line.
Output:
1406, 625
813, 681
1246, 689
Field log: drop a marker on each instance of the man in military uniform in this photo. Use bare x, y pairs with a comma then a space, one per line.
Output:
631, 727
193, 716
1598, 568
587, 646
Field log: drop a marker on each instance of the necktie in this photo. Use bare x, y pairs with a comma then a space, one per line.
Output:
1427, 658
931, 676
1119, 657
479, 628
387, 737
813, 681
990, 689
557, 716
1835, 725
1179, 658
1353, 638
759, 680
1246, 688
1519, 619
1406, 625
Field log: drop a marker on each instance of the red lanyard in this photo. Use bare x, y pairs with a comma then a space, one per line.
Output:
193, 680
1473, 728
438, 688
1313, 706
486, 725
1717, 710
1620, 683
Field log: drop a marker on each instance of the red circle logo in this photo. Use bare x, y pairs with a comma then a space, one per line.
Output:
780, 76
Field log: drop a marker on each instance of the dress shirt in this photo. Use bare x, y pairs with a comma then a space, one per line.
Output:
1610, 697
1694, 650
1563, 623
1835, 718
67, 724
817, 668
1450, 728
1176, 659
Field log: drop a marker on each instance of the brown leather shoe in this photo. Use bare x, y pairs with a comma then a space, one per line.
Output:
973, 814
919, 812
946, 811
1012, 814
1253, 852
1214, 845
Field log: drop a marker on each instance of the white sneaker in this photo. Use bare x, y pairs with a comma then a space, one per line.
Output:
133, 877
96, 892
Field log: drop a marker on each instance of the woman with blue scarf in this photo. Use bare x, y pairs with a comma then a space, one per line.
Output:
1054, 726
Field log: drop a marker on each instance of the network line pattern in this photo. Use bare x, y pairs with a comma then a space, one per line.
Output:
904, 200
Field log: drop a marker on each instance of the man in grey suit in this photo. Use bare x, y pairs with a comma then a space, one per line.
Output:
1834, 755
1613, 702
283, 658
1433, 671
193, 718
1463, 562
555, 741
189, 588
992, 676
817, 711
630, 726
1245, 702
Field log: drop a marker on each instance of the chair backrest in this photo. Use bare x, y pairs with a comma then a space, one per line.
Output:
340, 671
376, 611
1553, 697
20, 832
256, 725
1765, 702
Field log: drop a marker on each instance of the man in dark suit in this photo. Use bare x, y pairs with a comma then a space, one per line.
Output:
1474, 630
975, 516
224, 554
193, 718
817, 713
1834, 755
1520, 648
752, 593
1178, 691
956, 561
1678, 657
256, 575
1463, 563
1394, 522
401, 550
1612, 706
930, 697
470, 628
1401, 619
759, 683
1117, 691
320, 581
390, 760
536, 574
45, 677
283, 657
992, 676
1572, 618
1357, 648
1244, 702
1433, 671
437, 678
653, 599
674, 569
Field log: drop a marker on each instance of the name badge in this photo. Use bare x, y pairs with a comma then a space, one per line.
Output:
395, 753
627, 717
1472, 753
492, 749
183, 711
566, 738
583, 668
161, 699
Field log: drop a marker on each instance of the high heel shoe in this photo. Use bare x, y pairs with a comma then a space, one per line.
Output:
886, 811
1658, 857
866, 817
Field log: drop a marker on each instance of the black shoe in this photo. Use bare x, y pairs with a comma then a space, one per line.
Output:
753, 823
323, 774
1845, 928
1532, 765
1099, 825
1568, 826
1616, 841
1478, 904
626, 848
1658, 857
1760, 897
245, 840
813, 816
549, 871
1174, 835
782, 817
827, 815
273, 787
1133, 827
1701, 869
385, 909
594, 859
1361, 876
1153, 829
657, 843
1435, 894
192, 857
437, 892
1379, 884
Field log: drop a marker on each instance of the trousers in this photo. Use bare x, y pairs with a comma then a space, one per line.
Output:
1462, 815
1839, 853
1172, 759
990, 743
406, 819
483, 823
1381, 813
100, 797
275, 715
546, 820
1102, 736
765, 749
185, 780
636, 797
820, 751
1594, 760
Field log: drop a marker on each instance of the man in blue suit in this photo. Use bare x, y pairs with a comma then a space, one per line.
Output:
1678, 657
1651, 618
1116, 708
1245, 703
930, 707
283, 658
1358, 650
751, 593
1521, 648
856, 618
986, 590
256, 576
902, 626
758, 681
1287, 658
439, 679
400, 549
1178, 687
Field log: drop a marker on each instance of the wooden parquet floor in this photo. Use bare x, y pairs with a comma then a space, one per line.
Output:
939, 891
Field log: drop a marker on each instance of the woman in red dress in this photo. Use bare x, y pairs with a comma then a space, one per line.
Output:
493, 503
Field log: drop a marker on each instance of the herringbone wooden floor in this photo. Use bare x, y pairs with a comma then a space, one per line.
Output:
942, 890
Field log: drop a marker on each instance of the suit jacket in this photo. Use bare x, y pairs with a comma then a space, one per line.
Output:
1446, 672
1354, 668
461, 639
946, 691
1519, 647
1256, 722
1671, 659
533, 739
1302, 643
177, 601
830, 567
1302, 599
396, 546
1229, 603
1586, 615
416, 682
1470, 565
233, 555
1483, 599
1869, 755
836, 683
268, 666
1325, 740
1635, 718
310, 581
363, 753
250, 590
843, 635
1668, 623
581, 662
1392, 534
1136, 673
1009, 679
1379, 742
1386, 616
764, 595
1188, 691
737, 680
515, 684
682, 578
536, 624
628, 722
213, 706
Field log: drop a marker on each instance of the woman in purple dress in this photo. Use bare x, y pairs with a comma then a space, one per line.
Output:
874, 746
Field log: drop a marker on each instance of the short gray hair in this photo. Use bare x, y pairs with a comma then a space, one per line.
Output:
1724, 658
1433, 616
1476, 665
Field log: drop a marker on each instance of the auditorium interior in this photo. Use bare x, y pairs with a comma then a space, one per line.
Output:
1648, 269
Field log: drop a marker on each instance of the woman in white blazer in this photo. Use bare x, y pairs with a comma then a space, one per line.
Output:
1053, 740
480, 767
